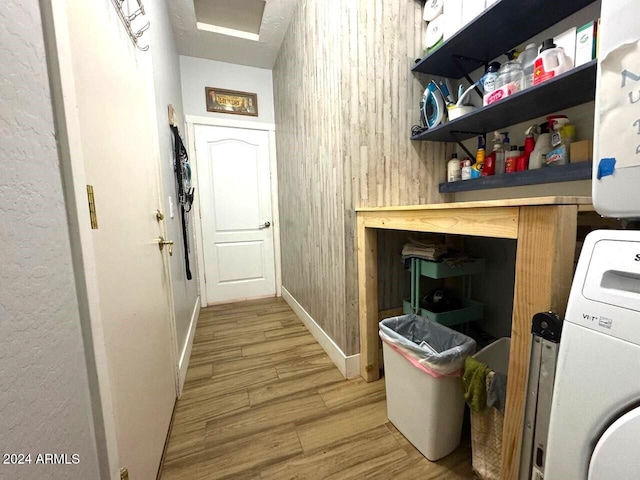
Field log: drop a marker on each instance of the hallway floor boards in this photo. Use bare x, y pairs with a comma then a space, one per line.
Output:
262, 400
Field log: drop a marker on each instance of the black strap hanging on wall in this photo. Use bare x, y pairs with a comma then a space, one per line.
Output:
185, 190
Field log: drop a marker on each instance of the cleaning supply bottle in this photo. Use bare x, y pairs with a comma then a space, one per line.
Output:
476, 170
530, 140
550, 62
510, 159
491, 160
542, 147
454, 170
501, 157
466, 168
488, 79
561, 138
521, 160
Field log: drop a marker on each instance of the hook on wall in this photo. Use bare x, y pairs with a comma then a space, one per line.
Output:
127, 18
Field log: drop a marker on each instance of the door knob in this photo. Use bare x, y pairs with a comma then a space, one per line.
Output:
265, 225
162, 242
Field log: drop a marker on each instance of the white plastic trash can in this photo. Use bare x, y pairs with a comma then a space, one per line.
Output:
486, 426
426, 406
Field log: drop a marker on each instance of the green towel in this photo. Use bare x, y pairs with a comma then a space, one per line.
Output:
475, 384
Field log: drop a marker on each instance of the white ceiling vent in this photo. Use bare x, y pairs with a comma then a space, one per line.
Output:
237, 18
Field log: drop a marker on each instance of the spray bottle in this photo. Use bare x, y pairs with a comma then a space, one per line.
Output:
542, 147
497, 155
562, 136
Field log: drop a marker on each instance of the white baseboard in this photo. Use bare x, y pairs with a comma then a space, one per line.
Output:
186, 351
349, 366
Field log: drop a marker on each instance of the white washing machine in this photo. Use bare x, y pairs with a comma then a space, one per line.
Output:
594, 431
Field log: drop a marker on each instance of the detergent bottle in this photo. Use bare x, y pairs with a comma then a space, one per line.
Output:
542, 147
550, 62
476, 169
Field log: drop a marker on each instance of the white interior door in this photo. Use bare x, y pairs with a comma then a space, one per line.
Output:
236, 217
109, 90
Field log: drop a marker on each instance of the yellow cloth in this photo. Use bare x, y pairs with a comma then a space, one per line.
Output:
475, 384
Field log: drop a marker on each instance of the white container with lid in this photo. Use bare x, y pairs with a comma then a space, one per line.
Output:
511, 72
551, 62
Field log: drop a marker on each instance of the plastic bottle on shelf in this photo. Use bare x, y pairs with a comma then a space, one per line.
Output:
521, 160
478, 166
489, 78
563, 135
501, 158
454, 170
491, 162
527, 58
550, 62
530, 140
542, 147
466, 168
510, 159
511, 73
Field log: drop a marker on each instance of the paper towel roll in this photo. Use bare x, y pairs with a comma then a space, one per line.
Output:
432, 8
434, 32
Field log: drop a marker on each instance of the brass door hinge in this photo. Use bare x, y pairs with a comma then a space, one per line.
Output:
92, 208
124, 473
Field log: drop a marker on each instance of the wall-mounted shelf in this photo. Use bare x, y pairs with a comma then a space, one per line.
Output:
567, 90
561, 173
503, 26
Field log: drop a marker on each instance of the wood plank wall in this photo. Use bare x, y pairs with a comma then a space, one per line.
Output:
345, 102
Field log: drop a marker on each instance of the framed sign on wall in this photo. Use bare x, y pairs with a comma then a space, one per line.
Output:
231, 101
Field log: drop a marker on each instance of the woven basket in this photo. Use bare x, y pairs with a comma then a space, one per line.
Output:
486, 442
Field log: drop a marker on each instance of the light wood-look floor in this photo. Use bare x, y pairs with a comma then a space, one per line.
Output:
262, 400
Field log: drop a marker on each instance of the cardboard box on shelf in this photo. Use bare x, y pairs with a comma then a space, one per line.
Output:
586, 41
581, 151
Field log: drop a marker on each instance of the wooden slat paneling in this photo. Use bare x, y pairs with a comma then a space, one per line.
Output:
345, 102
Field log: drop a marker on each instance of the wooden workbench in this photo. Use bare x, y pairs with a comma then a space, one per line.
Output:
545, 231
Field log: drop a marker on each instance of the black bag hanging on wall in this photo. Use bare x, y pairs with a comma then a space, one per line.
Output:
185, 190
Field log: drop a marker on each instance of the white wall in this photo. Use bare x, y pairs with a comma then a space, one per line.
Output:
45, 404
198, 73
166, 77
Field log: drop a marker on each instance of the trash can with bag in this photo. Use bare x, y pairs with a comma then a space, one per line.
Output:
423, 363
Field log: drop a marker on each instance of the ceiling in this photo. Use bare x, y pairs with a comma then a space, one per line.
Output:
235, 14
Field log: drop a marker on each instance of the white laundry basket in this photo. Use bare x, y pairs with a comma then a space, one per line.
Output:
486, 426
426, 406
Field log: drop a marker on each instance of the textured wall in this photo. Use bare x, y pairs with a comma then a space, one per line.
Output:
198, 73
345, 103
44, 393
168, 90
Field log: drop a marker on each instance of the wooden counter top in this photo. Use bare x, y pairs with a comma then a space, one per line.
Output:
545, 231
510, 202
